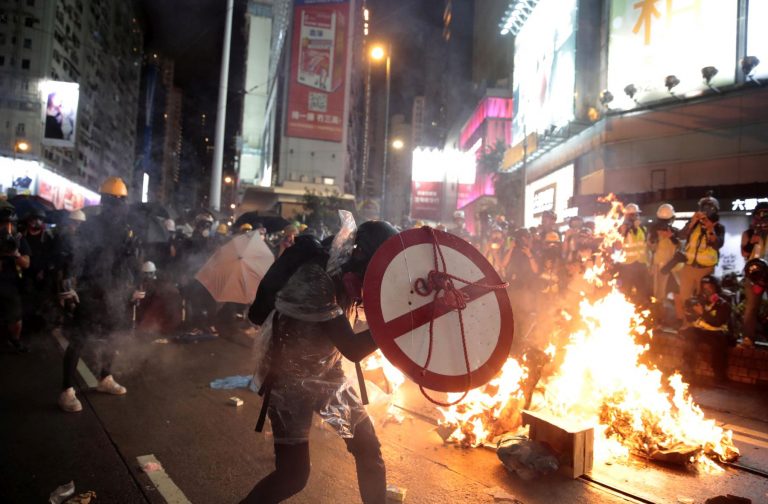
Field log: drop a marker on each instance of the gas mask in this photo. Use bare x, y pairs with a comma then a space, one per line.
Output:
205, 233
710, 211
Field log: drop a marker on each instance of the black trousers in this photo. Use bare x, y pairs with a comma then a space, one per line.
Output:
292, 469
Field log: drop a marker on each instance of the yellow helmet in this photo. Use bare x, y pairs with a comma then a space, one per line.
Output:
246, 227
222, 229
114, 186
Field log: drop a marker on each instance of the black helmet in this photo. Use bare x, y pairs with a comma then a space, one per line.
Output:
712, 280
757, 271
35, 213
708, 204
368, 238
7, 214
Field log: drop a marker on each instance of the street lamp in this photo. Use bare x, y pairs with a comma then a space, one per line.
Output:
21, 146
397, 144
378, 53
227, 179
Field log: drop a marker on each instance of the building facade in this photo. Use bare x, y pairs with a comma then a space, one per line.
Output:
653, 104
94, 43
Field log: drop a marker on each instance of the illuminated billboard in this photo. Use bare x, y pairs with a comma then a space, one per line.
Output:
757, 36
318, 70
544, 75
551, 192
651, 39
59, 112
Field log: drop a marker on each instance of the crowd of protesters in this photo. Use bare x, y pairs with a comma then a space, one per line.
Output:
94, 276
662, 267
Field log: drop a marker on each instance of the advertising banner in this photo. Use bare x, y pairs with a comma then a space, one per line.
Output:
63, 193
651, 39
551, 192
544, 75
425, 200
318, 70
59, 100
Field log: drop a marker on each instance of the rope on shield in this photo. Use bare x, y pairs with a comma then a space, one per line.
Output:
441, 284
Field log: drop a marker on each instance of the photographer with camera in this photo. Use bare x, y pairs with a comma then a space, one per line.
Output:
663, 243
14, 257
708, 314
754, 245
704, 236
633, 272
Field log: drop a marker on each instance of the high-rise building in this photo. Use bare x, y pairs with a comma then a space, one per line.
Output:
158, 145
300, 118
96, 44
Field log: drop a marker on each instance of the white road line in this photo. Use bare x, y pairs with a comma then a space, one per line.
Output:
167, 488
86, 374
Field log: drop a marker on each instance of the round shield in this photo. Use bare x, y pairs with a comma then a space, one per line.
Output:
400, 305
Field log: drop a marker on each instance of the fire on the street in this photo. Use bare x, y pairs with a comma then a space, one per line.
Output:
598, 374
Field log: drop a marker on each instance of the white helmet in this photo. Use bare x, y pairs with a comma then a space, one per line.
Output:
148, 267
77, 215
632, 208
665, 211
204, 217
458, 214
170, 225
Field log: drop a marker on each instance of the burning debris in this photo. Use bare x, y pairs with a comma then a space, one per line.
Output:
599, 376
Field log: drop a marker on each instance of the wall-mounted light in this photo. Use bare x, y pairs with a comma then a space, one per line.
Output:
630, 90
748, 64
606, 97
708, 73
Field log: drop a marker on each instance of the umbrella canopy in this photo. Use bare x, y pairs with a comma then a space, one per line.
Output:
24, 204
272, 223
156, 209
233, 273
148, 228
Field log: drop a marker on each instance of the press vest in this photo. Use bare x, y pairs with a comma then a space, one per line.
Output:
698, 251
635, 247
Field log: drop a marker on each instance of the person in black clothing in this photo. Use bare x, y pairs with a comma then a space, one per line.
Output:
38, 278
14, 259
107, 263
710, 326
306, 309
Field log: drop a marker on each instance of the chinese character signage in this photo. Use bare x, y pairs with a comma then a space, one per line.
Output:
652, 39
318, 70
544, 76
59, 112
425, 200
550, 192
746, 204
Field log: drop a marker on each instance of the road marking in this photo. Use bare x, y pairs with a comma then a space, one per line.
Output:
85, 373
167, 488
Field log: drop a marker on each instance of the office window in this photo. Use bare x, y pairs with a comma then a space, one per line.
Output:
2, 60
29, 22
25, 64
20, 129
2, 38
31, 3
27, 43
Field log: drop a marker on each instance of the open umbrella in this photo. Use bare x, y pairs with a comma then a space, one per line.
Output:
233, 273
272, 223
24, 204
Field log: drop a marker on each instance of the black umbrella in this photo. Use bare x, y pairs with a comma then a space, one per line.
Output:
156, 209
150, 229
25, 204
272, 223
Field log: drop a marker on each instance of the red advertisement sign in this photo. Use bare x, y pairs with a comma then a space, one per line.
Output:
318, 70
425, 200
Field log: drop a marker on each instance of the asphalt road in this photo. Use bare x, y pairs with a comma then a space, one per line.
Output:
210, 451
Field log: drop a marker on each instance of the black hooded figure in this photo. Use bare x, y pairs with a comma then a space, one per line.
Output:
306, 309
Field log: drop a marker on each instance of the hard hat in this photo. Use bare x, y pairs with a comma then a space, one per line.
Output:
170, 225
245, 227
114, 186
709, 200
632, 208
77, 215
551, 237
223, 229
302, 228
370, 235
665, 211
458, 214
710, 279
148, 267
203, 217
291, 229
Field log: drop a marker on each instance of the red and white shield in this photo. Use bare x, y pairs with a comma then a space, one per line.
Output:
399, 314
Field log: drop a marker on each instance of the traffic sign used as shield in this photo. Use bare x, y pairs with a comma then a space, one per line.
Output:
438, 310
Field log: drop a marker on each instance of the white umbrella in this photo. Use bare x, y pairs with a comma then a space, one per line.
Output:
233, 273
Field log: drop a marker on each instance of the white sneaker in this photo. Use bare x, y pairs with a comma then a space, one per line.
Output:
69, 402
108, 385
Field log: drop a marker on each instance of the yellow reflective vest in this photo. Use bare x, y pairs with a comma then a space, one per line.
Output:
698, 251
635, 246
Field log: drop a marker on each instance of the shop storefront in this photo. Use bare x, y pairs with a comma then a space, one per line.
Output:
22, 176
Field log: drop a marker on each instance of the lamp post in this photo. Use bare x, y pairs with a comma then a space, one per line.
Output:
378, 53
20, 146
229, 181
